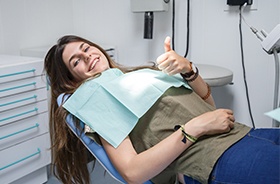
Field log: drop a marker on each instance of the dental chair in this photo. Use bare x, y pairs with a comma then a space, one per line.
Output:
95, 149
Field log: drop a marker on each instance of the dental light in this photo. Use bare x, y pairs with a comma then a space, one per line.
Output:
148, 7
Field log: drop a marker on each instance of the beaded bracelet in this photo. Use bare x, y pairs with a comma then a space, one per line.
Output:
185, 135
208, 92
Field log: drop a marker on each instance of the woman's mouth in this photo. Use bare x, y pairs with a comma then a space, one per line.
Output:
93, 63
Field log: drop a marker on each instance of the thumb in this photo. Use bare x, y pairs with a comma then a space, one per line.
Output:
167, 47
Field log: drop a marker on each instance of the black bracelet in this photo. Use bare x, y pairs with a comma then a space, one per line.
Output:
193, 78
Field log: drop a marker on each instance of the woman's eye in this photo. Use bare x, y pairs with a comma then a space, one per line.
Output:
86, 49
76, 62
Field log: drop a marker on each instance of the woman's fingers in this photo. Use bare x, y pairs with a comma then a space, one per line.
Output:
167, 46
231, 125
218, 121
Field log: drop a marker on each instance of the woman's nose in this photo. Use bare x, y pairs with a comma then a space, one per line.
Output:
87, 57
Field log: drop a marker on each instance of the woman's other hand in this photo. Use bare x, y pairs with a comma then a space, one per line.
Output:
214, 122
172, 63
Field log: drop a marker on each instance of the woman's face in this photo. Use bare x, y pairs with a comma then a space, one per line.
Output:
83, 60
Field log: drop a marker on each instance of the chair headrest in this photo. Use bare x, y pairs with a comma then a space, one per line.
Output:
62, 98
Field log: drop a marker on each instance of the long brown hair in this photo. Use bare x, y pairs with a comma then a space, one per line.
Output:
69, 155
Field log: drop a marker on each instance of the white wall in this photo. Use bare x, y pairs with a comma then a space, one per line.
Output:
32, 23
214, 39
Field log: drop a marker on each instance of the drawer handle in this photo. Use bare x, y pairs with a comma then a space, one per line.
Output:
20, 160
20, 114
17, 101
16, 87
17, 73
18, 132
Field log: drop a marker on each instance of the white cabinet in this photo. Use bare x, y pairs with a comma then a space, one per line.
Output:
24, 131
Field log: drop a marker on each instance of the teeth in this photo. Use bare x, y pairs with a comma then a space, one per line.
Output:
93, 64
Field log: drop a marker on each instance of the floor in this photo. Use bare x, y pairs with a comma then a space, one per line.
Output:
98, 176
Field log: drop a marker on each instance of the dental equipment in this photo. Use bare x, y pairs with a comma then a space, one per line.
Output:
148, 7
271, 44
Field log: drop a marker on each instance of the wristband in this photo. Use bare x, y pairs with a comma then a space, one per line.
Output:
185, 135
193, 78
193, 71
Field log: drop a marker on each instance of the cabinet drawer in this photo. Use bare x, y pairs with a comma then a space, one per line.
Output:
17, 67
20, 131
24, 158
37, 177
21, 99
20, 86
23, 112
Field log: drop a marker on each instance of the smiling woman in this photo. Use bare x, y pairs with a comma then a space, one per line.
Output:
84, 60
174, 132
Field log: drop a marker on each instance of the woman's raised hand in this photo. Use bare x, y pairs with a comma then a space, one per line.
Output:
170, 62
214, 122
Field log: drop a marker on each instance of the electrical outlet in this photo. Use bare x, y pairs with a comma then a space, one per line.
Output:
252, 7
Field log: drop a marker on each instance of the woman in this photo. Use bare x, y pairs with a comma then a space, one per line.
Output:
206, 146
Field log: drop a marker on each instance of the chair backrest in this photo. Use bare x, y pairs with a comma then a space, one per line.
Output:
95, 149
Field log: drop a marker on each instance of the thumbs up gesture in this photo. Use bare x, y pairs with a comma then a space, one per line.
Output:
170, 62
